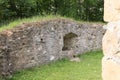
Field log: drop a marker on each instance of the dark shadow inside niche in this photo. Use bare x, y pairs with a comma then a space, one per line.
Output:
69, 41
42, 40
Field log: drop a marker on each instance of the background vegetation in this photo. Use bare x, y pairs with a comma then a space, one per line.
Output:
88, 10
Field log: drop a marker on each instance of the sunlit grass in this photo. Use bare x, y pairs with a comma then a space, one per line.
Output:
27, 20
38, 19
88, 69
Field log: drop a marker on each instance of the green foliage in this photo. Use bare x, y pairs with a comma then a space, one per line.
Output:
88, 10
16, 8
88, 69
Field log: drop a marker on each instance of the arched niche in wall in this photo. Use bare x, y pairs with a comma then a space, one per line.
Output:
69, 41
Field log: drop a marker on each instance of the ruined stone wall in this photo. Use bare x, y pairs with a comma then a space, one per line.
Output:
111, 41
32, 44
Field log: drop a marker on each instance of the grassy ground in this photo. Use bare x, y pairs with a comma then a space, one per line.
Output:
88, 69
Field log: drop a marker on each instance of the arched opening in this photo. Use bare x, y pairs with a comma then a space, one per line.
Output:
69, 41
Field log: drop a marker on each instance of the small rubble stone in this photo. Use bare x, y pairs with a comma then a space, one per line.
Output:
76, 59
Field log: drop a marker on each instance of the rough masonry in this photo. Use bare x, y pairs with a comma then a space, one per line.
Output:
111, 41
33, 44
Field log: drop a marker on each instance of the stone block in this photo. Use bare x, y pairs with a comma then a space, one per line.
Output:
111, 10
111, 50
110, 68
111, 39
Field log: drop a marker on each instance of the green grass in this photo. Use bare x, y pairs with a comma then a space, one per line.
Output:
27, 20
88, 69
37, 19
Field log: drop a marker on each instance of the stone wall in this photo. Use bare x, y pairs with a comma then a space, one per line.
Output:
32, 44
111, 41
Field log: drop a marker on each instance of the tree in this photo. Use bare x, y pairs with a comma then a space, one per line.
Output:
17, 8
88, 10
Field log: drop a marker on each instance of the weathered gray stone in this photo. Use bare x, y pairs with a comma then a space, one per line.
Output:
32, 44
